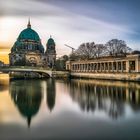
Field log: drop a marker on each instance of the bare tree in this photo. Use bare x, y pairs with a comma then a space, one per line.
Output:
90, 50
99, 50
117, 47
85, 50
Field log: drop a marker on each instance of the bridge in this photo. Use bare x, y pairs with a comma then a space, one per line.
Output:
39, 70
46, 72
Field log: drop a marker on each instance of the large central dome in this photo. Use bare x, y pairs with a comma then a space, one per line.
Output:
29, 34
28, 41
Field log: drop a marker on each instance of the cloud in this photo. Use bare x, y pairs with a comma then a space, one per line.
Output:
4, 47
4, 50
28, 8
73, 22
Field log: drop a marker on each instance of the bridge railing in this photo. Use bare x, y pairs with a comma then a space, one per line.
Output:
25, 67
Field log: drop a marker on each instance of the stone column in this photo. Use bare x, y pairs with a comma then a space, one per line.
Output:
100, 66
85, 67
94, 67
74, 67
121, 66
117, 68
127, 66
82, 68
136, 65
112, 68
108, 66
104, 67
91, 67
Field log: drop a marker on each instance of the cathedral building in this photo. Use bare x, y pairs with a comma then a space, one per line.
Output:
29, 51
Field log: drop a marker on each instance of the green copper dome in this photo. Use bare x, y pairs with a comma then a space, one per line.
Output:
28, 41
29, 34
50, 42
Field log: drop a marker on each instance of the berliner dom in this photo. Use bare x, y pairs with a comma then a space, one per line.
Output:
29, 51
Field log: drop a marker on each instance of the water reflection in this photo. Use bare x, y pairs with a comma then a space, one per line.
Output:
91, 96
110, 97
51, 91
27, 97
90, 106
4, 82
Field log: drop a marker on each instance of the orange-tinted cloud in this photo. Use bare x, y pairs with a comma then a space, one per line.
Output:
4, 58
4, 51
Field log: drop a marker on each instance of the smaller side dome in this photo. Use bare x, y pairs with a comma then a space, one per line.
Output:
50, 42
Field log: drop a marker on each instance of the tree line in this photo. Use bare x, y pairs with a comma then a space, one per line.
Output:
91, 50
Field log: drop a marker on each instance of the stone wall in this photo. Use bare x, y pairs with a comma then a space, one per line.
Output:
60, 74
109, 76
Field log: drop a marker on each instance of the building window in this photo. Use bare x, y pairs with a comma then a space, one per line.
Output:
106, 66
102, 66
110, 66
114, 65
132, 65
119, 65
98, 66
76, 67
88, 66
72, 67
124, 65
95, 66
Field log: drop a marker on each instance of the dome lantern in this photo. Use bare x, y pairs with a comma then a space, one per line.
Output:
29, 25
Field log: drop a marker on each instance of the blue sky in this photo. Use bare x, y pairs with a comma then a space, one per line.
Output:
72, 22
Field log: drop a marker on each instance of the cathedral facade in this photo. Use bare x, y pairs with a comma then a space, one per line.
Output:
29, 51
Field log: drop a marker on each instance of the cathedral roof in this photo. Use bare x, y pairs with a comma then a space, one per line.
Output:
50, 41
29, 33
28, 40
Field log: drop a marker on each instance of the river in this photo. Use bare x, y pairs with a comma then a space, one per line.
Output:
69, 109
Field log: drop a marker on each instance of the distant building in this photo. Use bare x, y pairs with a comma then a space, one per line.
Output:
122, 64
29, 51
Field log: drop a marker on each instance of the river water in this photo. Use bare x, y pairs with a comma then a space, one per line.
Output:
69, 109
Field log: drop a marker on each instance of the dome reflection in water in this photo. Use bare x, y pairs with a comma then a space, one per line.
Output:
26, 97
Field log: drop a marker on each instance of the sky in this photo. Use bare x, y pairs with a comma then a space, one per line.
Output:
71, 22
